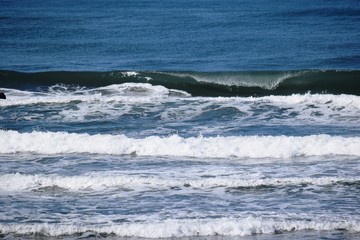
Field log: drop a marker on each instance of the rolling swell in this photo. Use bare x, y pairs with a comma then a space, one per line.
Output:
245, 83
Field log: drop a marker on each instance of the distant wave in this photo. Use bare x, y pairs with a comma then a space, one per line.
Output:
197, 147
243, 83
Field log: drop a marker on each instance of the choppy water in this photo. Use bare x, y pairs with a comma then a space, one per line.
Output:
185, 119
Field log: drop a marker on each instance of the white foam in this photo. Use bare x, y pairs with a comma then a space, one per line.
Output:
100, 181
297, 108
130, 74
126, 92
199, 147
188, 228
115, 100
139, 89
318, 100
63, 94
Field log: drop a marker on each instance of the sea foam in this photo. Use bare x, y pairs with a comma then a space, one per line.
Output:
187, 227
175, 145
126, 92
100, 181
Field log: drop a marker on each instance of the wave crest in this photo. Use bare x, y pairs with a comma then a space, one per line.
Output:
197, 147
242, 83
188, 228
103, 180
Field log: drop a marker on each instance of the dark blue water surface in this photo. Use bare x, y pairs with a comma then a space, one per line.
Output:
37, 35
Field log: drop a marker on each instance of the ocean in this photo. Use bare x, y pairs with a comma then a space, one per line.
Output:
189, 120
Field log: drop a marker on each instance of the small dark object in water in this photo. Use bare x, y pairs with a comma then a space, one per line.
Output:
2, 95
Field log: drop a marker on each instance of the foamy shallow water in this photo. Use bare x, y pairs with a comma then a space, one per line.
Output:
140, 109
291, 235
164, 197
136, 160
143, 161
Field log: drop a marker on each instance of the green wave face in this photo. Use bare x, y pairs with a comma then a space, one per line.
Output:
243, 83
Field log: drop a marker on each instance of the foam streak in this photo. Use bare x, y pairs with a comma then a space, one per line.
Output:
101, 181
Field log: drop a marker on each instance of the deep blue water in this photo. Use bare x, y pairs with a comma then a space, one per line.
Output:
180, 119
179, 35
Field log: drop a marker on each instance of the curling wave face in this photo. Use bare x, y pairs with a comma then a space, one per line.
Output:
246, 83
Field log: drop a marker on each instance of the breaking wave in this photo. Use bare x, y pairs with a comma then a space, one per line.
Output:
243, 83
244, 226
102, 180
197, 147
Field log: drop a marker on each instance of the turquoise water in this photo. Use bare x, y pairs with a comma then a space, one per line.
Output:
179, 119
